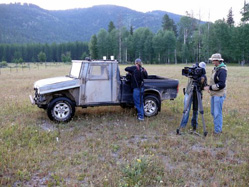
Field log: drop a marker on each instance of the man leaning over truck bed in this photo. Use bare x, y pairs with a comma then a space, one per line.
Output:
137, 84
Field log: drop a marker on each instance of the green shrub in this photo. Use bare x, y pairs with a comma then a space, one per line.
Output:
3, 64
141, 172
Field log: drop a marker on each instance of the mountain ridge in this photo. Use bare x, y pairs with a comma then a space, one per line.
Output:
28, 23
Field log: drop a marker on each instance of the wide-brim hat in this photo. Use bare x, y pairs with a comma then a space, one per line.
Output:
216, 56
202, 65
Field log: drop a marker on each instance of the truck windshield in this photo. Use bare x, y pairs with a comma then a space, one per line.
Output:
75, 70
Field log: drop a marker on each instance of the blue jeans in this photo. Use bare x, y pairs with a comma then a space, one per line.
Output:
194, 120
216, 111
137, 98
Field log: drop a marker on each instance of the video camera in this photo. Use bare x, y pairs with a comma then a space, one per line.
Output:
198, 74
194, 72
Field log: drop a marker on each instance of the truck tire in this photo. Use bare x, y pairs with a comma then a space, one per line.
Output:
61, 109
151, 105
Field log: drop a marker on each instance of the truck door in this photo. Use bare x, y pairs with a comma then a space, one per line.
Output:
98, 84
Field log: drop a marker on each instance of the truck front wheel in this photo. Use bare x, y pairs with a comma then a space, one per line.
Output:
151, 105
61, 109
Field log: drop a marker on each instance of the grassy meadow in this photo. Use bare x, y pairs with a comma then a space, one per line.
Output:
107, 146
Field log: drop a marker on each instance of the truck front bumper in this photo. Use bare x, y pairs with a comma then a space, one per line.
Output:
32, 100
39, 100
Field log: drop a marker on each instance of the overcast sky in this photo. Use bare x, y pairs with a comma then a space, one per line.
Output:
218, 9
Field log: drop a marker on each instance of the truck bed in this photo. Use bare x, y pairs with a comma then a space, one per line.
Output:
166, 88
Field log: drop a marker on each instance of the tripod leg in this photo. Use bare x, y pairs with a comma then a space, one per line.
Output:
200, 106
186, 107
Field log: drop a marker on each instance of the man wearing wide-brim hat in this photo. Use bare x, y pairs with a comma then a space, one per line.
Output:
217, 90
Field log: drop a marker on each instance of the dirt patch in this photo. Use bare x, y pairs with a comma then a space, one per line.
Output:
46, 125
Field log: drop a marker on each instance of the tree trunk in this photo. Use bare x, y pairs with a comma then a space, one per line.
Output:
120, 47
175, 57
185, 35
126, 55
168, 57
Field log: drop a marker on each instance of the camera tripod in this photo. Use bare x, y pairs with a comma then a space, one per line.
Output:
195, 89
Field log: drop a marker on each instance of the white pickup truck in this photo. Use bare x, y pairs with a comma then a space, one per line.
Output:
97, 83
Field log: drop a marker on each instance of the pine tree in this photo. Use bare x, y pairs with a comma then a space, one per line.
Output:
245, 12
111, 26
230, 20
131, 30
166, 23
169, 24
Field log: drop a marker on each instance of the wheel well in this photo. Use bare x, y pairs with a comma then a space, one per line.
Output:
66, 94
154, 93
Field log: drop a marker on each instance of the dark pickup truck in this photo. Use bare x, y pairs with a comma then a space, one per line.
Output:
97, 83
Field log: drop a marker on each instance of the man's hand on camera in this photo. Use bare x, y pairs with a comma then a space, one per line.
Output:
206, 88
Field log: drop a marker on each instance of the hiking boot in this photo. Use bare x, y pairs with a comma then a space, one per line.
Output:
140, 119
217, 133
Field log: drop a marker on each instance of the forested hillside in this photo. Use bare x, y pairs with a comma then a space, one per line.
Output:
182, 41
29, 23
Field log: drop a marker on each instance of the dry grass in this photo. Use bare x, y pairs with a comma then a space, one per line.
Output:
107, 146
